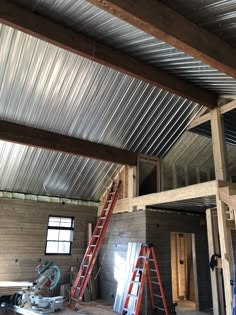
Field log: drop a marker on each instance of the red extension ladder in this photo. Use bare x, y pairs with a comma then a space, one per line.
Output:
146, 266
86, 267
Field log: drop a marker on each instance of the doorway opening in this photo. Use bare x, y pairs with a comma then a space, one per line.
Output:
183, 271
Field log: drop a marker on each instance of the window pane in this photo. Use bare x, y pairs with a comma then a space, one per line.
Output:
64, 248
64, 235
66, 222
53, 235
54, 221
52, 247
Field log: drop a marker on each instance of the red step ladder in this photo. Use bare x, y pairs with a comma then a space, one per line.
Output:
86, 267
146, 266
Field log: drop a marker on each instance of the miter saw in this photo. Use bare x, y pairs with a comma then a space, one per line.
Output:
29, 300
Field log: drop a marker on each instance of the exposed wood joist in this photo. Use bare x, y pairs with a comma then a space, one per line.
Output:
228, 197
158, 20
53, 141
202, 119
56, 34
202, 190
190, 192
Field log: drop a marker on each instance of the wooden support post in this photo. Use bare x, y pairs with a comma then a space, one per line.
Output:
218, 145
226, 254
216, 278
132, 185
174, 176
186, 175
162, 177
198, 175
220, 173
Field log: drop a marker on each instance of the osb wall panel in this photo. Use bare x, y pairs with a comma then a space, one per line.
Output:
23, 232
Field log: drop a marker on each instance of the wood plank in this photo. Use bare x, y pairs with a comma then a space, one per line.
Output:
184, 193
202, 119
49, 31
212, 250
52, 141
221, 174
229, 200
198, 121
226, 254
218, 145
158, 20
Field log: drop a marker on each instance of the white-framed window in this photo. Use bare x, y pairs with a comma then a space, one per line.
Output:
59, 235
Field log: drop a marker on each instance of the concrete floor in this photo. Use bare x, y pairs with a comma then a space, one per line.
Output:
189, 308
104, 308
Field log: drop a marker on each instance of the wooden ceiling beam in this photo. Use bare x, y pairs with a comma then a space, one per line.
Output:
40, 27
57, 142
158, 20
204, 118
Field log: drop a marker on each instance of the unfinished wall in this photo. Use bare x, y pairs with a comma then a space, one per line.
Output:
23, 232
159, 227
124, 228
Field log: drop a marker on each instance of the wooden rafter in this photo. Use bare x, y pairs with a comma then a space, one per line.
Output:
204, 118
56, 34
53, 141
158, 20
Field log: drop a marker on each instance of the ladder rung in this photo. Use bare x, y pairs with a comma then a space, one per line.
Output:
159, 308
154, 282
157, 295
135, 281
139, 269
133, 296
93, 247
141, 256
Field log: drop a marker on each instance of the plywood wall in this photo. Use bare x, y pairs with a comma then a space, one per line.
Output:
159, 228
153, 227
23, 231
124, 228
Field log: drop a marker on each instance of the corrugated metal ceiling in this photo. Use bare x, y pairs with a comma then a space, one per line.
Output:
217, 16
195, 151
102, 26
197, 205
33, 170
46, 87
49, 88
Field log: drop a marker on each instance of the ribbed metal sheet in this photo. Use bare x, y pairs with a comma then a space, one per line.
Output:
49, 88
37, 171
197, 205
195, 151
88, 19
217, 16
